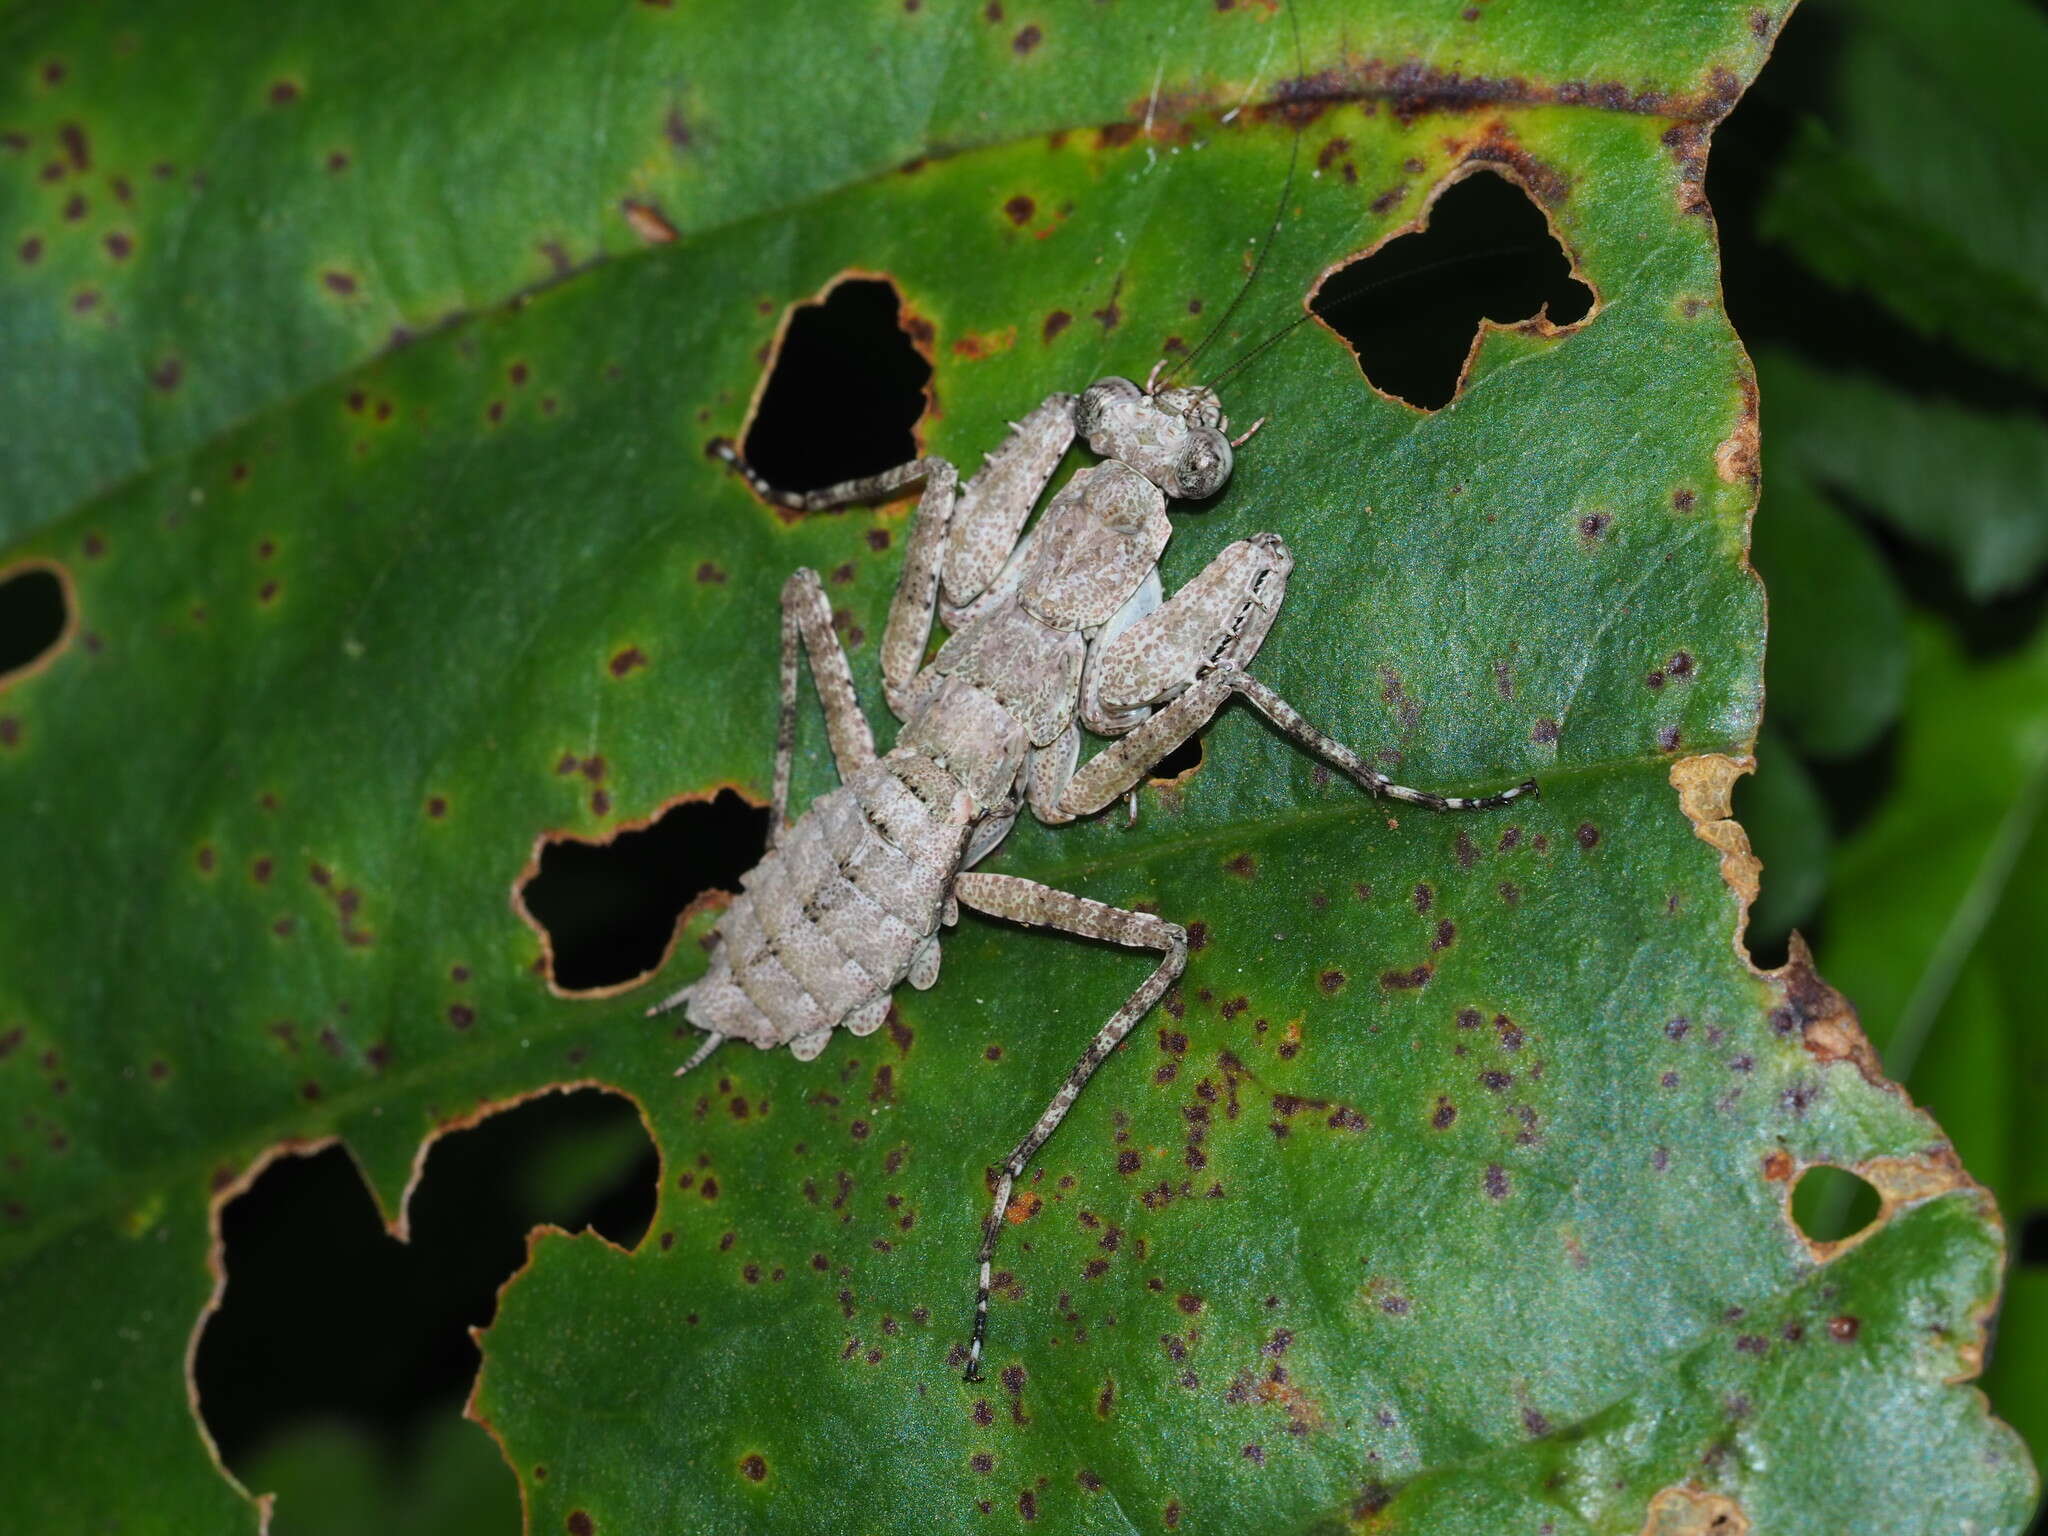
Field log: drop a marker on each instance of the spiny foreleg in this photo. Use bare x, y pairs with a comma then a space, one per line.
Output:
1041, 906
961, 537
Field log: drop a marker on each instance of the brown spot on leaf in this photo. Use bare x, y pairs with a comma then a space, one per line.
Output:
1735, 461
1110, 316
648, 222
1686, 1509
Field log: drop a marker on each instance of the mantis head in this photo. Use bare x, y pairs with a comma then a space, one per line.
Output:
1173, 436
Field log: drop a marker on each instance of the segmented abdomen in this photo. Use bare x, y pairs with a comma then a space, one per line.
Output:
829, 923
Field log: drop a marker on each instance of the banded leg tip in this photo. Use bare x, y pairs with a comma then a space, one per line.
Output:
973, 1373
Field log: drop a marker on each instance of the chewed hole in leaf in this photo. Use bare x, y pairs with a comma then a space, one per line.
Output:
1832, 1204
610, 910
35, 611
1183, 759
844, 391
327, 1320
1411, 310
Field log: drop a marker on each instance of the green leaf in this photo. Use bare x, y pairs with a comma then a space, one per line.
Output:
2018, 1374
1916, 178
1918, 892
333, 1480
1935, 919
1462, 1150
301, 189
1951, 479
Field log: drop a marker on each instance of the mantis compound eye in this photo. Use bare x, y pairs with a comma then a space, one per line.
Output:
1202, 467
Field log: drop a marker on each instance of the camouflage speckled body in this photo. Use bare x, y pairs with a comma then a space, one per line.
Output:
843, 909
1055, 628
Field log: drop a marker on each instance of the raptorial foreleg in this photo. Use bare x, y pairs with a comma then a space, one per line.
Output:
957, 547
961, 535
1041, 906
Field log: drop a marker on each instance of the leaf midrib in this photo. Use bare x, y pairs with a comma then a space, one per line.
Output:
130, 1190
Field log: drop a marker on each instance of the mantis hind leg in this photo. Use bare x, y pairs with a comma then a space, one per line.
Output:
1042, 906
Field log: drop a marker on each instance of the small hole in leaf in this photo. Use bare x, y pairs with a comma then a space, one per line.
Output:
1184, 758
610, 909
33, 616
1410, 310
843, 392
335, 1370
1830, 1203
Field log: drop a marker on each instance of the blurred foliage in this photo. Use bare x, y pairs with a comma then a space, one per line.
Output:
332, 1477
1888, 259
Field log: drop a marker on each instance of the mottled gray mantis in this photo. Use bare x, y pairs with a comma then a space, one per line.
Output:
1053, 629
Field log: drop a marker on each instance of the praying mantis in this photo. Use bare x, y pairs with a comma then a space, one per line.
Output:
1054, 629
